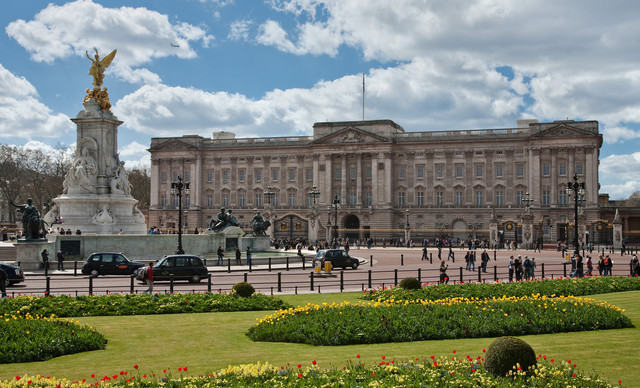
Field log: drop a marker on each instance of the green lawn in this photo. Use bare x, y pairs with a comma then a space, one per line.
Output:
206, 342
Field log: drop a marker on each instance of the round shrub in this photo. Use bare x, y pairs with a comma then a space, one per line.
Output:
505, 352
243, 289
410, 284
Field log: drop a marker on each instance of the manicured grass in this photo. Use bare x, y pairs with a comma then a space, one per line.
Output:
210, 341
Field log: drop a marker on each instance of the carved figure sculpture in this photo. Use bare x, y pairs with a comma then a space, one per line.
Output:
98, 66
120, 182
259, 225
31, 222
103, 216
85, 171
223, 220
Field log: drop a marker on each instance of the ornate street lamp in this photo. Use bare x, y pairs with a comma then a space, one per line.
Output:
407, 213
576, 188
314, 193
269, 194
176, 189
335, 203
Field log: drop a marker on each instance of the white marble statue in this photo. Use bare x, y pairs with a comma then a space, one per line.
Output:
103, 216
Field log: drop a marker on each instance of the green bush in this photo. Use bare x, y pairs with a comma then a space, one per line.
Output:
406, 321
546, 287
505, 352
28, 338
243, 289
410, 284
141, 304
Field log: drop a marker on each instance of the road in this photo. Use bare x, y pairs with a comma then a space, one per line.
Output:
379, 267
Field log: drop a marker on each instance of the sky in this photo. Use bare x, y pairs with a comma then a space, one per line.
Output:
275, 67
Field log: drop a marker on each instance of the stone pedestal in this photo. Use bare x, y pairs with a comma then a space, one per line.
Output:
28, 253
97, 194
617, 231
527, 231
257, 243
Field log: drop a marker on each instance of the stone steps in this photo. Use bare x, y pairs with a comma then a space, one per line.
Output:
8, 253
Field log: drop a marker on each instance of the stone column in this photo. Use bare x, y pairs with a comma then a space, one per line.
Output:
527, 231
359, 179
374, 180
617, 231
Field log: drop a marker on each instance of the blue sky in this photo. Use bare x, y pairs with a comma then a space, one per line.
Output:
274, 67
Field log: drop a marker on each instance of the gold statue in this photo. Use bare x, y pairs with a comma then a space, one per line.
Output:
98, 66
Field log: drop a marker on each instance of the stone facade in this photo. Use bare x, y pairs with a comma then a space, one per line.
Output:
389, 182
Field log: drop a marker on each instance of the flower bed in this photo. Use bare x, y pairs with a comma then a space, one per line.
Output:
421, 371
142, 304
576, 287
419, 320
26, 338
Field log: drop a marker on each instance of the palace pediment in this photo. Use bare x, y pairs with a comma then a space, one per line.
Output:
172, 144
561, 130
351, 135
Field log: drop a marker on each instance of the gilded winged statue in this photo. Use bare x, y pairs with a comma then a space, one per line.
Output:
98, 66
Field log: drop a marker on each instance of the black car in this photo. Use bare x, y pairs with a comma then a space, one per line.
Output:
337, 257
14, 273
109, 263
182, 267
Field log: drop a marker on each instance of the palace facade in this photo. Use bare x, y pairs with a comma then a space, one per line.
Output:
388, 182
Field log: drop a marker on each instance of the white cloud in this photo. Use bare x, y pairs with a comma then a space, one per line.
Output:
620, 168
615, 134
22, 115
73, 28
133, 149
240, 30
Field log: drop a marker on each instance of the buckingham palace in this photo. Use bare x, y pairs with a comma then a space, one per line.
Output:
372, 178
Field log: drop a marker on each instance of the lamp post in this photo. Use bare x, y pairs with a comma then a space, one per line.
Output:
335, 203
314, 193
176, 189
577, 188
269, 194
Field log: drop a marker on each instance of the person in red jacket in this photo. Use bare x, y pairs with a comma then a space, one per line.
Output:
148, 277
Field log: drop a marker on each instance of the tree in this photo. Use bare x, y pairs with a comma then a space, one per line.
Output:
634, 200
140, 179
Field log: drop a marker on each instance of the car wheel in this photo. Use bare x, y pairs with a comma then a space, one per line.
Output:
195, 279
94, 273
354, 265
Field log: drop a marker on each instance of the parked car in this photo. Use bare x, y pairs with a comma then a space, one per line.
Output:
337, 257
109, 263
14, 273
182, 267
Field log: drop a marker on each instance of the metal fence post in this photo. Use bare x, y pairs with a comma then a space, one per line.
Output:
90, 285
461, 280
564, 269
495, 273
229, 265
369, 276
479, 275
395, 276
402, 259
171, 283
341, 281
371, 261
245, 277
75, 268
287, 263
311, 281
131, 284
48, 286
420, 275
279, 281
269, 264
542, 265
209, 283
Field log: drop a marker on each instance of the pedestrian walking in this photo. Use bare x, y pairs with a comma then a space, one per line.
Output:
444, 278
147, 276
220, 256
60, 257
238, 256
3, 282
45, 261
